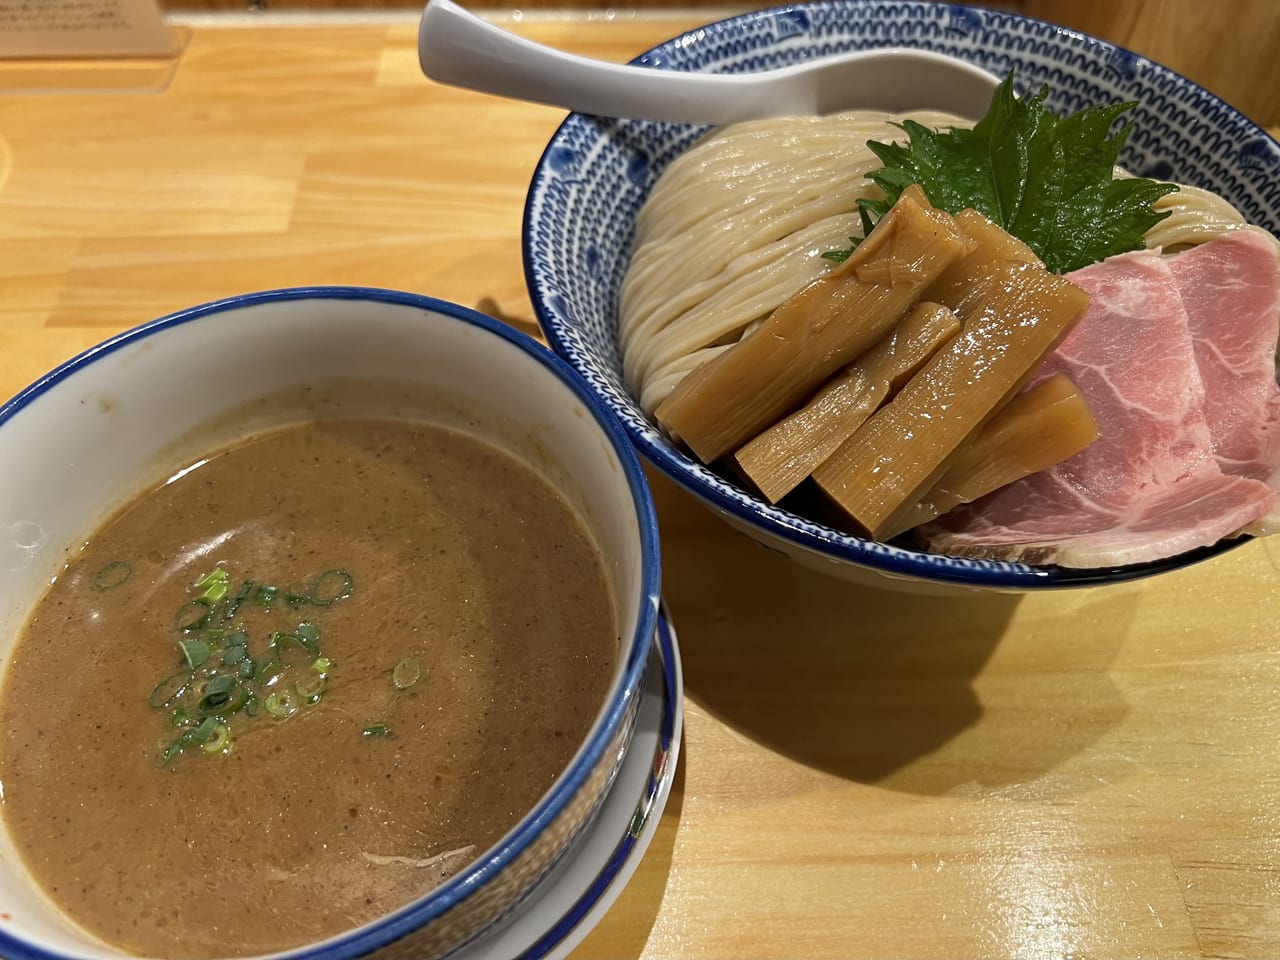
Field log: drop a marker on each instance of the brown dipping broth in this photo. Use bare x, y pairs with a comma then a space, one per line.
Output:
461, 558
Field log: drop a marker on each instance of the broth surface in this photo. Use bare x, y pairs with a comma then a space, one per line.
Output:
461, 558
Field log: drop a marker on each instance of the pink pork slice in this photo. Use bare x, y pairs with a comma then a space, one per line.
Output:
1230, 287
1150, 486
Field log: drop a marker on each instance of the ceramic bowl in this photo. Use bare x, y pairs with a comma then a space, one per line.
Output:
596, 173
92, 434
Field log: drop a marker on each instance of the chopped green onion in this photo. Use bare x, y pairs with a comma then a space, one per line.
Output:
222, 684
218, 614
246, 589
406, 673
264, 596
204, 731
309, 634
214, 584
195, 652
214, 592
240, 698
222, 695
170, 688
311, 687
292, 650
216, 575
112, 575
212, 704
175, 748
221, 741
375, 730
269, 673
307, 643
291, 674
193, 616
281, 704
330, 587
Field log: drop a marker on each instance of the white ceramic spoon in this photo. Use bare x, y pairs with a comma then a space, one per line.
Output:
460, 49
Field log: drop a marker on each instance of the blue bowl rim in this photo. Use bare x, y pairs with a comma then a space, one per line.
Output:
824, 541
480, 873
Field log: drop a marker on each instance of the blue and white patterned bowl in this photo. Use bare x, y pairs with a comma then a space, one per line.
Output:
86, 438
596, 173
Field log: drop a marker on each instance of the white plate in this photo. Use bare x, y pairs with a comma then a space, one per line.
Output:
573, 897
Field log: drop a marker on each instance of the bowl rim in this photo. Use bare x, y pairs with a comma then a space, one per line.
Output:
481, 872
728, 497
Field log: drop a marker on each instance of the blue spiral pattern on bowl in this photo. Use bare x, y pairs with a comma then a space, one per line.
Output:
597, 172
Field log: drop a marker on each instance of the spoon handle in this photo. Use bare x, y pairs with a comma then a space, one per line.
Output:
458, 48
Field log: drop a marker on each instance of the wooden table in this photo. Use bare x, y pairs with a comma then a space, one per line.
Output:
1091, 773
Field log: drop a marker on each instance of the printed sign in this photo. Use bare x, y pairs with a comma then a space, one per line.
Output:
83, 28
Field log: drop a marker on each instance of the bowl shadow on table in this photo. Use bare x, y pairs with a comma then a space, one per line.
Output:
623, 932
877, 686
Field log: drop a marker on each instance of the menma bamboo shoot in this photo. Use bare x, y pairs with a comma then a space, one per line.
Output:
1036, 430
880, 472
782, 456
832, 321
967, 280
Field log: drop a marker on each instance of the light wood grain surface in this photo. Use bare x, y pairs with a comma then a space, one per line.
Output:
1084, 774
1227, 46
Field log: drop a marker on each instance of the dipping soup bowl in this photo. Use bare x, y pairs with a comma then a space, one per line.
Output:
88, 437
